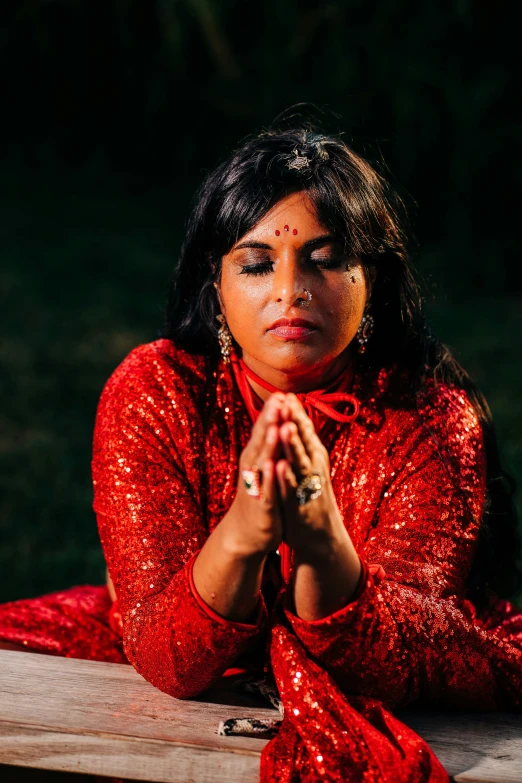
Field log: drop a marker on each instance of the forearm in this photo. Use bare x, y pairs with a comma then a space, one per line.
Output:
324, 581
226, 579
401, 645
178, 644
174, 641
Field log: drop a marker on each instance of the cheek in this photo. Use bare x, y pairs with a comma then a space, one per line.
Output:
242, 297
347, 301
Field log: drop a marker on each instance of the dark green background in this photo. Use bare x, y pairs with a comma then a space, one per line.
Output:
111, 113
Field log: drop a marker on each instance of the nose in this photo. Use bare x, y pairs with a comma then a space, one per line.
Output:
288, 282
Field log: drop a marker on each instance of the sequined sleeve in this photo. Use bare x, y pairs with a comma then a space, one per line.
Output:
411, 635
146, 468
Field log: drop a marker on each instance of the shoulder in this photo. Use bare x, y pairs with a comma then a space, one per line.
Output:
154, 375
439, 423
449, 413
438, 433
144, 361
432, 407
450, 420
158, 365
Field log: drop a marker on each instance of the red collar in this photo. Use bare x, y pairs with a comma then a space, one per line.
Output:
315, 402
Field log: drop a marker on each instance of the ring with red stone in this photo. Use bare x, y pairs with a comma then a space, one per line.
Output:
252, 480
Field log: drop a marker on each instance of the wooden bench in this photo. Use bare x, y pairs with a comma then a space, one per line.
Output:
104, 719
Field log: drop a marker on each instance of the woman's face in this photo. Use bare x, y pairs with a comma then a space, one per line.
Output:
262, 281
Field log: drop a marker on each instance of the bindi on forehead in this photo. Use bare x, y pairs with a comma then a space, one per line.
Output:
286, 228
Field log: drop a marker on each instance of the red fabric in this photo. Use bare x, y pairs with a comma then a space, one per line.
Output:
317, 403
409, 480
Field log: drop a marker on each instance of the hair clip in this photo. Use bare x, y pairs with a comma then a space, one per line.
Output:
299, 162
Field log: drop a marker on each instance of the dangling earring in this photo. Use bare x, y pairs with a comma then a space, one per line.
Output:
224, 337
365, 330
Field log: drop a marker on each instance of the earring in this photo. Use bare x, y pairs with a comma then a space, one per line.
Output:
365, 330
224, 337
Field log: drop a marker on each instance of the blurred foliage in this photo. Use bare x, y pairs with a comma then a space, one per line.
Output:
111, 113
166, 87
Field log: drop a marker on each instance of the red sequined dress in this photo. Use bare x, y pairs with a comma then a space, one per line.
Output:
409, 480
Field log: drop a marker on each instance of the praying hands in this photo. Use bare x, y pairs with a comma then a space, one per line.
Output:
327, 566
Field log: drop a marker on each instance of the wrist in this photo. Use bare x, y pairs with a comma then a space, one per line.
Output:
326, 580
234, 545
324, 546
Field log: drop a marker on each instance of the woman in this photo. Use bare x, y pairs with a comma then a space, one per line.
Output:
311, 491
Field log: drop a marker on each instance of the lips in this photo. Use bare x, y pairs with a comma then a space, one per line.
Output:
293, 329
293, 323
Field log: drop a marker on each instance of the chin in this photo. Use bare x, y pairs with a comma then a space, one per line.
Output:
292, 357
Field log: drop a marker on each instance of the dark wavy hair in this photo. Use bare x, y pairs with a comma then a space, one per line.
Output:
359, 207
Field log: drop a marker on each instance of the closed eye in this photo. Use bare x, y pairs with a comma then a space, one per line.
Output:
265, 267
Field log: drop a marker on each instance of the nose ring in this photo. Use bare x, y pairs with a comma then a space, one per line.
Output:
308, 298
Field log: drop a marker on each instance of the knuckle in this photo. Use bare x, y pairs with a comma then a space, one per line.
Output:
310, 429
245, 458
268, 506
320, 459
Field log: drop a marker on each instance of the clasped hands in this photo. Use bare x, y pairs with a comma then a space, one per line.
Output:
285, 447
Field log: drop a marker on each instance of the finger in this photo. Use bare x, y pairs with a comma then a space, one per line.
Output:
286, 445
265, 469
267, 454
293, 411
286, 479
267, 486
294, 449
269, 414
269, 445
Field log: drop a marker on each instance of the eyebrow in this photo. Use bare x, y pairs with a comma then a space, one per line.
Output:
322, 240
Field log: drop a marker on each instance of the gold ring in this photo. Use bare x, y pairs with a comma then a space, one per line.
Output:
309, 488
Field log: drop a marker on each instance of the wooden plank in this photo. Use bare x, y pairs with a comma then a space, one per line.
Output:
104, 718
473, 747
122, 756
68, 694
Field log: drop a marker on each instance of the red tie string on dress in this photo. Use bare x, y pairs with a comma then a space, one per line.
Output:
319, 398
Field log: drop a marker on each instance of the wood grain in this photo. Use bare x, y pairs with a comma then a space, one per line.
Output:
105, 719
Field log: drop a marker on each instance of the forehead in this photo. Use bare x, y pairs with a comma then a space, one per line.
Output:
295, 211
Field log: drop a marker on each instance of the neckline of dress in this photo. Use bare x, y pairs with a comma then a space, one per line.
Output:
317, 402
